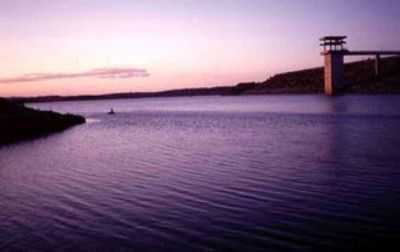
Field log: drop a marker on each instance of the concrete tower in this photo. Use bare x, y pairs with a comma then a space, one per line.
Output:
333, 52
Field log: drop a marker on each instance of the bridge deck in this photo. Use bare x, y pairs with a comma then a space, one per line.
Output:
355, 53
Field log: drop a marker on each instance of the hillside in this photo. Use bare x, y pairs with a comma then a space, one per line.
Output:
360, 78
359, 75
18, 122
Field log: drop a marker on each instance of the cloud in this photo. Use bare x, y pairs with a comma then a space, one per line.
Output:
105, 73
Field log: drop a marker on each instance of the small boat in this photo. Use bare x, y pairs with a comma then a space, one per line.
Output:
111, 112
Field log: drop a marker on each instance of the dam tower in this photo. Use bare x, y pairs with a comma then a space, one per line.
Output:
334, 52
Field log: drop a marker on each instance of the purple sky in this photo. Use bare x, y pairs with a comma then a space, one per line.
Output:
176, 43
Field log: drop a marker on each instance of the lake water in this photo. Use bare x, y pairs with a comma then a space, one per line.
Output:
255, 173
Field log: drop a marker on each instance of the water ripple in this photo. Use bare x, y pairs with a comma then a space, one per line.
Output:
263, 176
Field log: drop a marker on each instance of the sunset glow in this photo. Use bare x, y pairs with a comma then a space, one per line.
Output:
175, 44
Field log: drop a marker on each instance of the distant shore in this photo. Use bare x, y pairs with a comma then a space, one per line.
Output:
20, 123
359, 75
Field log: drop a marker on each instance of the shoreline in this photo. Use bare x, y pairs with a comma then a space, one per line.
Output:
22, 123
77, 99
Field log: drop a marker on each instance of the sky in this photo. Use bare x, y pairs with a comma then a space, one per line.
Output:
72, 47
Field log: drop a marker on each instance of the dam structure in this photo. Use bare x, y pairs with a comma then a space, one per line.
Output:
334, 52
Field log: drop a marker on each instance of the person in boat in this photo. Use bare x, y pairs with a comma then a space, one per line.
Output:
111, 111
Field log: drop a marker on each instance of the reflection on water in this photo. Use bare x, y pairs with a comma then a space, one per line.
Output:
201, 173
92, 120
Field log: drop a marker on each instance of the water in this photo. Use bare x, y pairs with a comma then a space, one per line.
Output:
257, 173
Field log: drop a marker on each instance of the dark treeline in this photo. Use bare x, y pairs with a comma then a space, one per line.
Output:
228, 90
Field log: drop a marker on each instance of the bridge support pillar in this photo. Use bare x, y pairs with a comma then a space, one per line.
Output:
334, 73
377, 66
